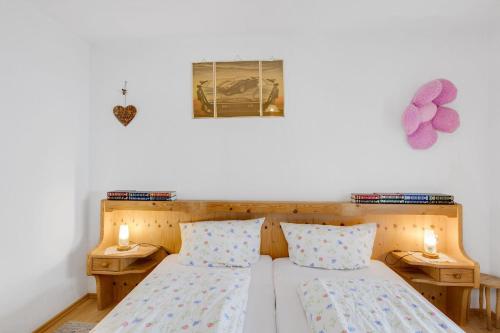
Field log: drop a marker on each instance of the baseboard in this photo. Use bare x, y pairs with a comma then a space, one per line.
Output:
476, 311
64, 312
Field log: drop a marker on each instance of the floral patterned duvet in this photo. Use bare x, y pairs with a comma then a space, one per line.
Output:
363, 305
191, 300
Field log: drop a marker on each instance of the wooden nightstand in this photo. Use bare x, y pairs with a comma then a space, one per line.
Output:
446, 285
117, 274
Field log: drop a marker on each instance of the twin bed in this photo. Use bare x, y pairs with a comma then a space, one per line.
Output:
260, 309
271, 296
273, 304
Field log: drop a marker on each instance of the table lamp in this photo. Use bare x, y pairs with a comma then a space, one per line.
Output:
123, 241
430, 244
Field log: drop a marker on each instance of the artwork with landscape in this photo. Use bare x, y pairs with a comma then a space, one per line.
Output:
238, 89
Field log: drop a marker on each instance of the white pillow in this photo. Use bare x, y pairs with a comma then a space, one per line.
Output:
330, 247
220, 243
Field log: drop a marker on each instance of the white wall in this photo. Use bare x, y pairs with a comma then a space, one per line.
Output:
495, 140
44, 96
345, 91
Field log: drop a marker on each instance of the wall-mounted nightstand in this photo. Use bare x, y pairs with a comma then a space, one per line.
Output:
117, 274
447, 285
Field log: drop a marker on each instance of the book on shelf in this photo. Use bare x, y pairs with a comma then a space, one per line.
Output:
363, 196
142, 195
403, 198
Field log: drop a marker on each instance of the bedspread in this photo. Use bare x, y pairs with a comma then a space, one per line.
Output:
187, 301
366, 305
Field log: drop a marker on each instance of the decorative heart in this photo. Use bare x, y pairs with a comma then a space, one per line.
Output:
125, 114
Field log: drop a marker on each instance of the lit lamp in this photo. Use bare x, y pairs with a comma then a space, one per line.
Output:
123, 242
430, 244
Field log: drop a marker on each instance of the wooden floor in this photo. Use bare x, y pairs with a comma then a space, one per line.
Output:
84, 312
87, 312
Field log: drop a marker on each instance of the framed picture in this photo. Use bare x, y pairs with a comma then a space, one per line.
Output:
238, 89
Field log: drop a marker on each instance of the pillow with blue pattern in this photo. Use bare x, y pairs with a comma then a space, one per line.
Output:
220, 243
330, 247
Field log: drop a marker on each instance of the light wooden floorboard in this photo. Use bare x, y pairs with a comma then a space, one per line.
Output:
87, 312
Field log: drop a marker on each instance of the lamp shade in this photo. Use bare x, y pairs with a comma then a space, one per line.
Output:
123, 236
430, 242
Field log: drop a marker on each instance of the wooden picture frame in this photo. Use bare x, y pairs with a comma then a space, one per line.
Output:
238, 89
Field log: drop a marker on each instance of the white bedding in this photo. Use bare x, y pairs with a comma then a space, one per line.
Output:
132, 316
369, 305
290, 316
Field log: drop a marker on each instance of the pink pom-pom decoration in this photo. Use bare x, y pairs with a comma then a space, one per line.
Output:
446, 120
448, 93
411, 119
426, 114
424, 137
427, 93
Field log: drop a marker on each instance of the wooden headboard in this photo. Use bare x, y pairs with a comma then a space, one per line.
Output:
399, 226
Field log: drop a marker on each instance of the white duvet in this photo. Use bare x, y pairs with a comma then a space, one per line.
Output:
368, 305
193, 300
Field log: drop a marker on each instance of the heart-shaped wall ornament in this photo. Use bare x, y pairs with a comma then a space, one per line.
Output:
125, 114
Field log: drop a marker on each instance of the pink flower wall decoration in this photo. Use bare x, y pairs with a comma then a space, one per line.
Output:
427, 114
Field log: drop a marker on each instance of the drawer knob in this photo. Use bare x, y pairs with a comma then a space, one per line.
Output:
105, 264
457, 276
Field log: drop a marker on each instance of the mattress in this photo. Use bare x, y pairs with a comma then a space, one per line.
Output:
290, 316
260, 313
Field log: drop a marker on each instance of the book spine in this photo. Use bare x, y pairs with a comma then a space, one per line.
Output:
447, 202
441, 198
117, 194
361, 196
365, 201
163, 193
416, 196
391, 201
393, 196
164, 199
142, 195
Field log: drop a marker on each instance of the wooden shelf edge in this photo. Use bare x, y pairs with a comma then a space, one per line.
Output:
333, 207
412, 261
415, 276
99, 253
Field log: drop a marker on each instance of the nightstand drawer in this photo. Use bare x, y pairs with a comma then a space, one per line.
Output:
456, 275
110, 265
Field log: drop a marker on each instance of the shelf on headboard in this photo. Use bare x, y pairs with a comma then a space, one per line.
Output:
294, 207
399, 226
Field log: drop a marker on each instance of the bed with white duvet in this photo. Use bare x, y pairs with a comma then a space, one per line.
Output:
371, 299
330, 285
180, 298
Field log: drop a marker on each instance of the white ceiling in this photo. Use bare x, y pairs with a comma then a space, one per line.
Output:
98, 20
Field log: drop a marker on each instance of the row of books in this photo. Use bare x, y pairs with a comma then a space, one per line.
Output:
143, 195
403, 198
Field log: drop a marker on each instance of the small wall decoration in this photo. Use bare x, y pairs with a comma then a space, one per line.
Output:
125, 113
238, 89
427, 114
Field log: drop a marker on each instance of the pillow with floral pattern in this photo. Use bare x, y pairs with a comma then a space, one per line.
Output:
220, 243
330, 247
